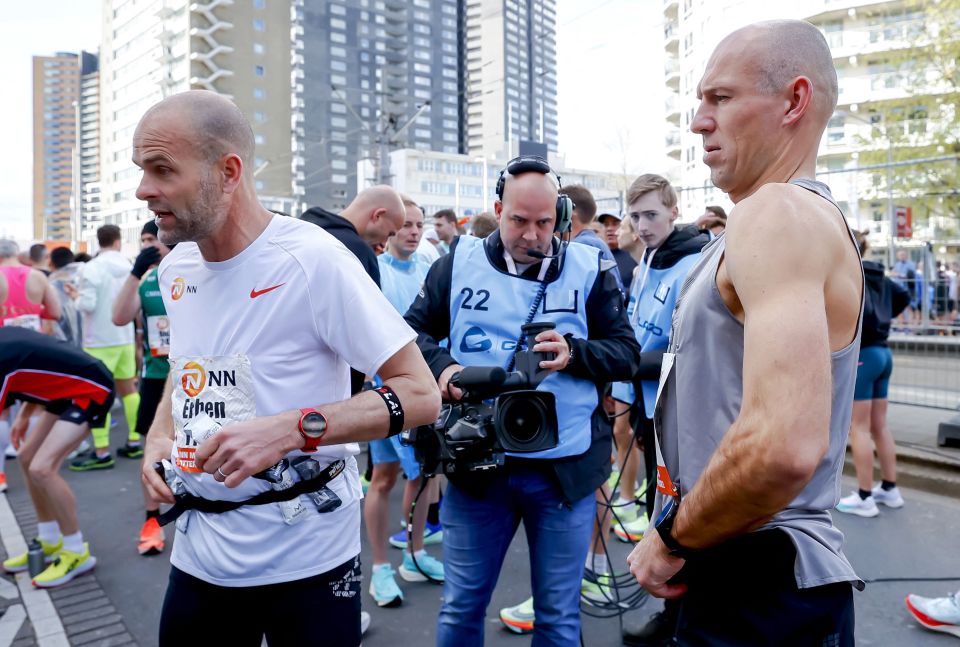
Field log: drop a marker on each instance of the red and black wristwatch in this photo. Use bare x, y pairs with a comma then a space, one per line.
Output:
312, 426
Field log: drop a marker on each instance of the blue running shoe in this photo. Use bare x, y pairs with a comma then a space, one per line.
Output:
383, 587
427, 564
432, 534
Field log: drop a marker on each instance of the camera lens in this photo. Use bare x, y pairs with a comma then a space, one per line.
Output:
523, 419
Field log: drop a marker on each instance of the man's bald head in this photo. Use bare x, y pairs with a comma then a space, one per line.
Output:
211, 122
377, 212
779, 51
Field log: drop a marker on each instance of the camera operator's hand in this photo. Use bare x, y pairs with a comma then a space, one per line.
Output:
447, 390
550, 341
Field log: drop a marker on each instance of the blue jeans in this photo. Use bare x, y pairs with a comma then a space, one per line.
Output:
476, 535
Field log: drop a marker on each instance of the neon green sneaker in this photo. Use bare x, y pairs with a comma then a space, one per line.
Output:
65, 567
632, 531
519, 619
623, 514
18, 564
597, 589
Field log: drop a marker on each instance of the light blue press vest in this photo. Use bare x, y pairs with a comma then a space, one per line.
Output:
487, 308
651, 323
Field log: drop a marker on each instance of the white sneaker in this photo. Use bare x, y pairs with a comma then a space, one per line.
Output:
890, 498
937, 614
364, 622
853, 504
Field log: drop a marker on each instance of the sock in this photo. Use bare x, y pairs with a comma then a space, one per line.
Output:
74, 542
601, 565
886, 486
589, 562
152, 514
377, 567
101, 435
48, 531
863, 494
131, 405
420, 554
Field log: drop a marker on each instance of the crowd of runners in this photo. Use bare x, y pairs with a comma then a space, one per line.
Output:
705, 377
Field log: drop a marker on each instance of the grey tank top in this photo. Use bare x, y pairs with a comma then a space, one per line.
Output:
701, 398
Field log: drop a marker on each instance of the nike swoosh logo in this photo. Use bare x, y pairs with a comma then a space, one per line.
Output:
254, 293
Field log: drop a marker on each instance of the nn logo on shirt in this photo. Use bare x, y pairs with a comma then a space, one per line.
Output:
195, 378
180, 287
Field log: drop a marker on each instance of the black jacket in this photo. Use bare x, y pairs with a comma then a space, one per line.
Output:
883, 301
609, 354
344, 231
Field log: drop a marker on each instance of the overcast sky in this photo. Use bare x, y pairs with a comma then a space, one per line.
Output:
610, 76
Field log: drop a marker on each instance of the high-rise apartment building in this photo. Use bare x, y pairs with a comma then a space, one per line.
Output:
451, 76
56, 95
372, 76
511, 75
154, 48
891, 99
87, 157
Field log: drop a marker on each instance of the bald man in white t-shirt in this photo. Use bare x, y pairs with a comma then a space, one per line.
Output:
267, 315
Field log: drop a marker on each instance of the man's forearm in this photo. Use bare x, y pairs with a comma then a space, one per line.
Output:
738, 492
365, 416
127, 303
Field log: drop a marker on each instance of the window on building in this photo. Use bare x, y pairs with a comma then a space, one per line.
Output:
259, 25
258, 48
259, 93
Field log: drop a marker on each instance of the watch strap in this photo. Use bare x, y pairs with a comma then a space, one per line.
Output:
310, 443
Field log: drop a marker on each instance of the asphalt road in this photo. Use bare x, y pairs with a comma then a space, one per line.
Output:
916, 541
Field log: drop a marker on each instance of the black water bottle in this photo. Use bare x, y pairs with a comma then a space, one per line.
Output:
36, 558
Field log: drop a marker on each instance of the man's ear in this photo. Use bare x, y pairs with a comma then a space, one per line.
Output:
231, 168
497, 210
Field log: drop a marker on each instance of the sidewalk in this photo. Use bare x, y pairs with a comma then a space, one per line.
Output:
78, 613
915, 432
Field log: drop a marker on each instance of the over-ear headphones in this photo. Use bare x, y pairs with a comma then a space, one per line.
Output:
535, 163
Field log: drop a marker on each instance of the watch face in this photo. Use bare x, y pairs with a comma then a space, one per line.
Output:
314, 424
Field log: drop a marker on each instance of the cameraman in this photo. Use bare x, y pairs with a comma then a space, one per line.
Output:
478, 297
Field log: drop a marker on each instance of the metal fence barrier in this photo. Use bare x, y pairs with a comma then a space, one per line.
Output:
926, 370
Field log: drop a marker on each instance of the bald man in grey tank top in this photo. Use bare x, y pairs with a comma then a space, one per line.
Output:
757, 385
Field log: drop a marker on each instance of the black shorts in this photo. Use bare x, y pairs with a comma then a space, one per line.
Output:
151, 390
744, 592
319, 610
95, 414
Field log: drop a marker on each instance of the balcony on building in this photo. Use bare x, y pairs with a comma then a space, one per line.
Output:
671, 37
672, 73
674, 149
672, 109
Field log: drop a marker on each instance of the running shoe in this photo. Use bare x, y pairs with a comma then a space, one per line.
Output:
614, 481
432, 534
151, 538
597, 589
364, 622
428, 565
82, 448
631, 532
383, 587
623, 513
3, 481
519, 619
131, 450
18, 564
65, 567
890, 498
853, 504
364, 483
936, 614
10, 451
90, 462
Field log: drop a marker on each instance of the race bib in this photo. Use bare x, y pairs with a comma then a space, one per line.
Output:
208, 394
158, 334
25, 321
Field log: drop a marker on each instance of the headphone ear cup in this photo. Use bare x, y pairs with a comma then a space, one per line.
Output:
564, 214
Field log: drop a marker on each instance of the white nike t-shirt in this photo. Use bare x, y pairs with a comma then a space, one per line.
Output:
273, 329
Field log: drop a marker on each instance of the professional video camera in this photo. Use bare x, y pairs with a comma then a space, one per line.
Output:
499, 412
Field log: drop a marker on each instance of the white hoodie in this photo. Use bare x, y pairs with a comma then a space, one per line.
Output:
100, 281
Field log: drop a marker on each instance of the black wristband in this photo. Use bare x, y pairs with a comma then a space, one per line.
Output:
394, 408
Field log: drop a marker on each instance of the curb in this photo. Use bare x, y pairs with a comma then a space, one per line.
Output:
923, 468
